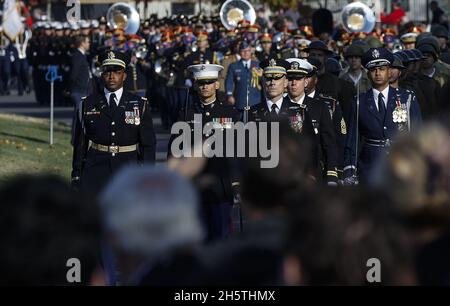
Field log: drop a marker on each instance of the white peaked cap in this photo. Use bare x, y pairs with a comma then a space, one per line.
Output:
205, 71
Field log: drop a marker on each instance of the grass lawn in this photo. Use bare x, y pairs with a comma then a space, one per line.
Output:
24, 147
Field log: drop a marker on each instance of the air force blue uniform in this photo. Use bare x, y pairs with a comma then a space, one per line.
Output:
375, 134
238, 78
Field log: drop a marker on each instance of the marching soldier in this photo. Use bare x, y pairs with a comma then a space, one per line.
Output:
242, 82
217, 196
275, 107
355, 73
380, 114
267, 50
329, 84
204, 54
113, 128
320, 116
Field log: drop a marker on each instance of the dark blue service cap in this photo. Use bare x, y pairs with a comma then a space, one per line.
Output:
377, 57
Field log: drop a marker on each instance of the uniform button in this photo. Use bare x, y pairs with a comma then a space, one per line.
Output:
113, 154
112, 123
113, 134
385, 128
113, 144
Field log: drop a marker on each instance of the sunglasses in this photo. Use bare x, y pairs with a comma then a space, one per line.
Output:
273, 78
296, 77
205, 82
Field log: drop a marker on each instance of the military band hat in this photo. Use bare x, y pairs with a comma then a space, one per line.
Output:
398, 62
316, 64
266, 37
274, 66
377, 57
439, 30
205, 71
354, 50
102, 20
409, 38
113, 60
418, 53
244, 45
298, 67
319, 45
403, 57
202, 36
302, 43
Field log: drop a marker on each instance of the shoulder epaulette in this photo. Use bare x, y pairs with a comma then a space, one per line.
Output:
323, 96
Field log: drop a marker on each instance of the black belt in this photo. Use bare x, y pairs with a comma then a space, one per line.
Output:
378, 142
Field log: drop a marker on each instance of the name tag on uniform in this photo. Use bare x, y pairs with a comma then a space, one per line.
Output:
92, 113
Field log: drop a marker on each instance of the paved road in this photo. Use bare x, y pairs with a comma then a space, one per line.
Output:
26, 105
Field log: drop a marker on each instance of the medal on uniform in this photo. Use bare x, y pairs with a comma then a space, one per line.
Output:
137, 119
296, 123
399, 115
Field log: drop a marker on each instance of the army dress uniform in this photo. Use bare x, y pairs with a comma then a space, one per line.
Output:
108, 136
340, 128
382, 115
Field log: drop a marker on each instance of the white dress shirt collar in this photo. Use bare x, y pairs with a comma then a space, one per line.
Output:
312, 94
302, 99
385, 93
278, 103
247, 63
82, 51
118, 93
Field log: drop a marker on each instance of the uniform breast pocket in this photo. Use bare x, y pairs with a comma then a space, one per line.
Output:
237, 75
90, 123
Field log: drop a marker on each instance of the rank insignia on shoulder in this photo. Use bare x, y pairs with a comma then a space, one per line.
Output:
343, 127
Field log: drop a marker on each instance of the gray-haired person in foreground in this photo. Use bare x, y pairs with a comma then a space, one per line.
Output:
152, 226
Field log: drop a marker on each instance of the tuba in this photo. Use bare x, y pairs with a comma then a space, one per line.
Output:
123, 16
234, 11
358, 17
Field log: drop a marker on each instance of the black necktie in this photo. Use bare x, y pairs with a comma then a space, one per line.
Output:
112, 102
273, 112
381, 106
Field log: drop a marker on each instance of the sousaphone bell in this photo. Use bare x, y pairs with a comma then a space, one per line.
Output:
358, 17
234, 11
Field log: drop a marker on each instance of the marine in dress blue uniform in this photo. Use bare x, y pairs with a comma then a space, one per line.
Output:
222, 175
244, 75
113, 128
383, 113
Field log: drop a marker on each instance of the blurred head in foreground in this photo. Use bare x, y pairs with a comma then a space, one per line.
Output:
337, 236
44, 223
149, 213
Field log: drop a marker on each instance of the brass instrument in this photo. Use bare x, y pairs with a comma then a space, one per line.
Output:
234, 11
358, 17
123, 16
